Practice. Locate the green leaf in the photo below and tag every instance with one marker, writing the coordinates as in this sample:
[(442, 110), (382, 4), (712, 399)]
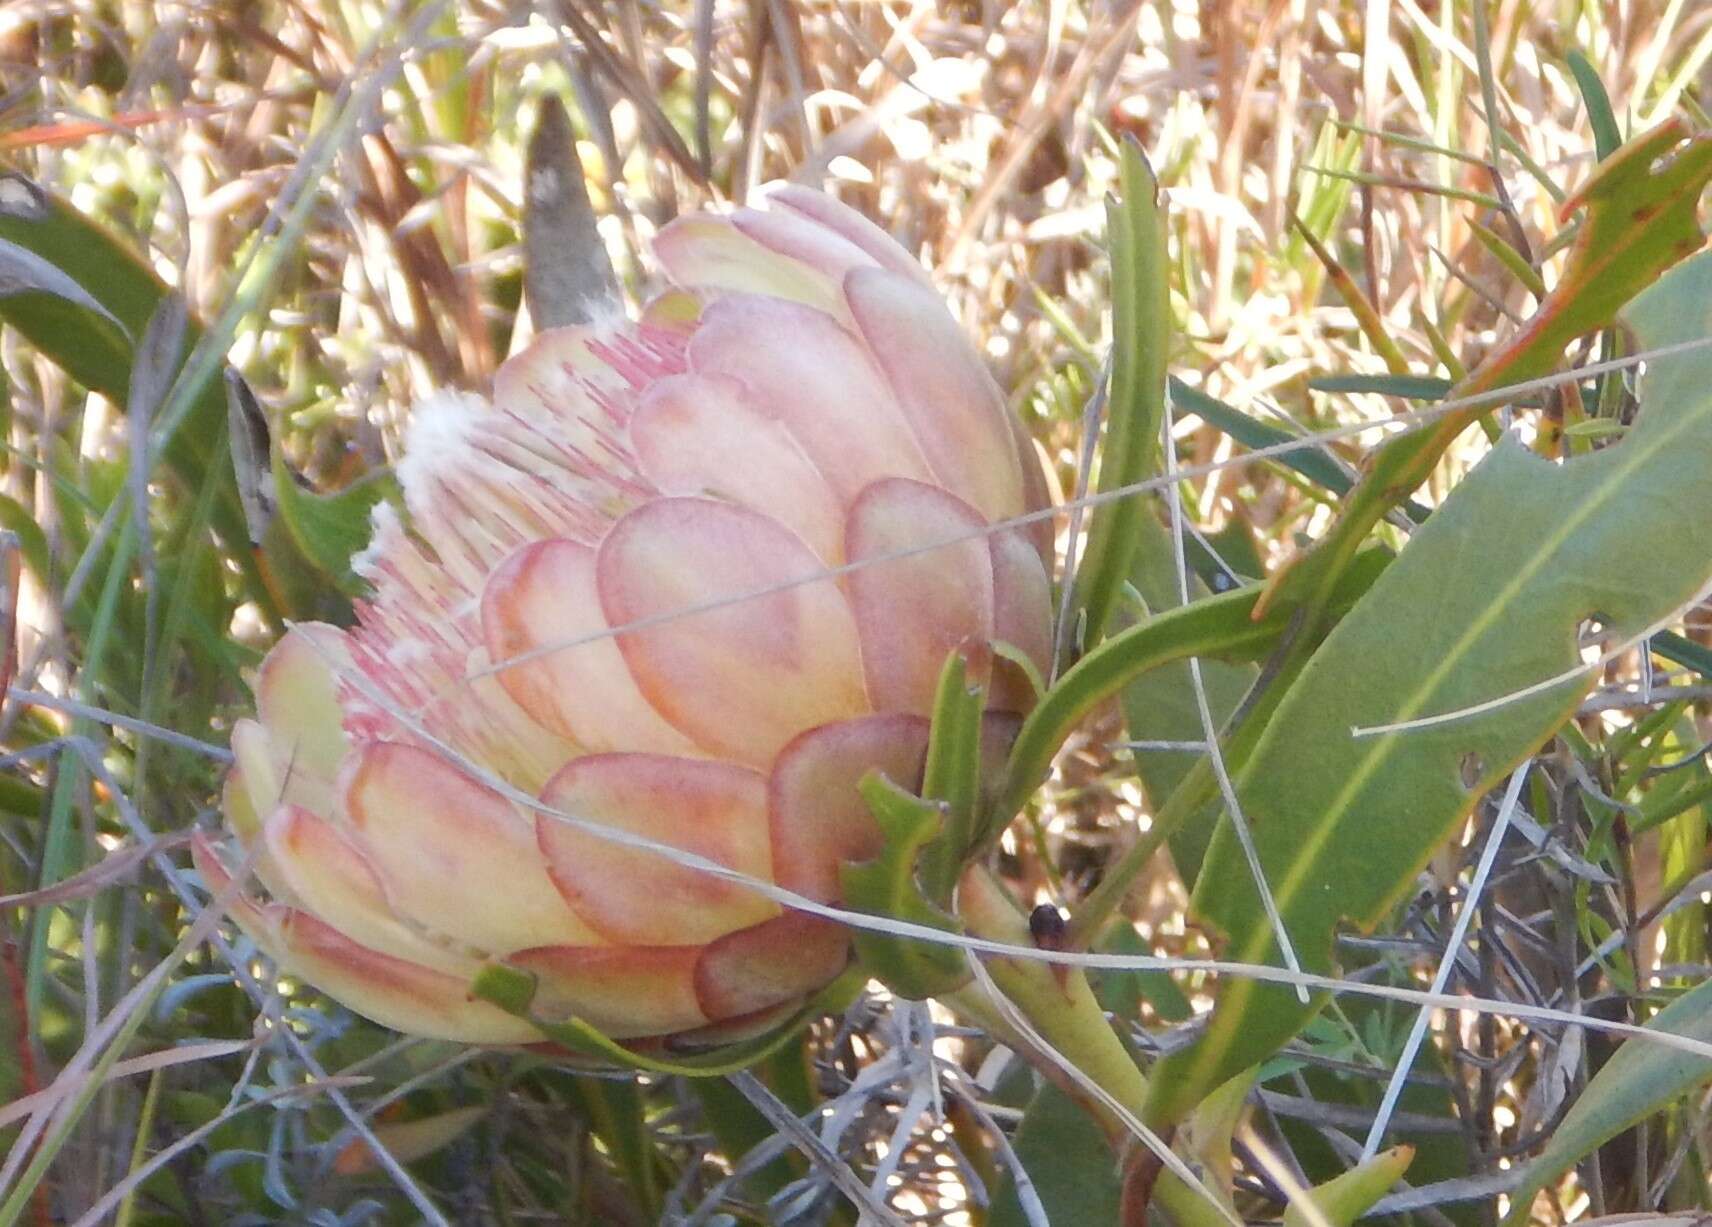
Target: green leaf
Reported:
[(26, 275), (32, 541), (1068, 1161), (1135, 406), (619, 1116), (886, 886), (94, 345), (1343, 1199), (1485, 602), (1606, 135), (1683, 651), (1415, 387), (952, 777), (1160, 705), (1224, 627), (1639, 1080), (1310, 462), (330, 529), (739, 1127)]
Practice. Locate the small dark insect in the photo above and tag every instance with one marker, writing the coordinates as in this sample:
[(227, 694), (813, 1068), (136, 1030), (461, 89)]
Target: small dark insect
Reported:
[(1046, 925)]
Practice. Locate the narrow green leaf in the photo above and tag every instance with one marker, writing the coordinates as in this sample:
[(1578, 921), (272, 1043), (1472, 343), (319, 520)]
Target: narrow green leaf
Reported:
[(1343, 1199), (1135, 405), (32, 541), (1223, 627), (1639, 1080), (739, 1128), (1415, 387), (952, 776), (1310, 462), (1468, 615), (1507, 255), (1682, 651), (1607, 137)]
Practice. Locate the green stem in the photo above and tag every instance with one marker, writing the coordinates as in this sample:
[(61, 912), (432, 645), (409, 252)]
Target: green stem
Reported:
[(1221, 626), (1062, 1010)]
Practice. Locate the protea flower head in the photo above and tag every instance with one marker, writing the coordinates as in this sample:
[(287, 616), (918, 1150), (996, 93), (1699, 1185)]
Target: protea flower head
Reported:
[(801, 401)]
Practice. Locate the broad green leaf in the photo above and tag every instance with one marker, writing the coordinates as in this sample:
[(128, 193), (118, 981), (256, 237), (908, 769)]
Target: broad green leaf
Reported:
[(1067, 1160), (1135, 405), (1483, 605), (1641, 1079)]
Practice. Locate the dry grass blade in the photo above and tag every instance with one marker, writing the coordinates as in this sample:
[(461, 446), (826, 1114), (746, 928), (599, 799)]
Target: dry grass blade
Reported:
[(115, 867)]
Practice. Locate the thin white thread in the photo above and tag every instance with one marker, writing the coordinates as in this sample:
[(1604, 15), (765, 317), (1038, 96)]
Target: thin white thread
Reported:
[(1215, 754), (1418, 1032), (1091, 420), (1415, 417), (1515, 696)]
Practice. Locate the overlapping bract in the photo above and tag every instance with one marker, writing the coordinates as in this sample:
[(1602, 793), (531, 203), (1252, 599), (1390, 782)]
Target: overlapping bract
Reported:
[(801, 401)]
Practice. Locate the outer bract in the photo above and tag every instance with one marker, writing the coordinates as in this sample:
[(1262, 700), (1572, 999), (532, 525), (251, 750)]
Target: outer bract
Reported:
[(803, 400)]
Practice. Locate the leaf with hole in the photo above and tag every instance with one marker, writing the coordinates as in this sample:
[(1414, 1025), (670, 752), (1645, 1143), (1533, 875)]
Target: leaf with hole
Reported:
[(1482, 608)]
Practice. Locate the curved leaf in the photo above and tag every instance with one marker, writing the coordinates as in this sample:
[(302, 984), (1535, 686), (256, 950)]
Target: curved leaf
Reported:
[(1141, 323)]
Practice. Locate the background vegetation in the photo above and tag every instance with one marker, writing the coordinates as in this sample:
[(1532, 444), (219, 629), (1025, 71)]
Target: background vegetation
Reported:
[(1363, 200)]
